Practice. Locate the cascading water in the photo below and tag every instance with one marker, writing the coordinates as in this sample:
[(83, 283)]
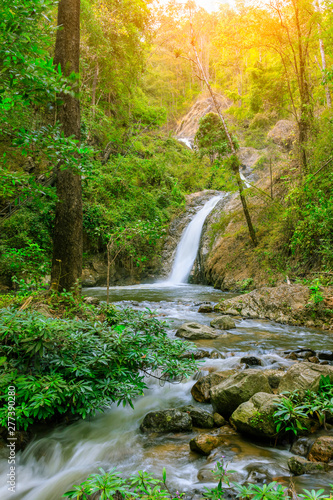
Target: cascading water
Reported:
[(189, 244), (66, 455)]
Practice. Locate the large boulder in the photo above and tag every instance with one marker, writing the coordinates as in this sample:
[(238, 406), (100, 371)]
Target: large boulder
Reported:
[(200, 418), (283, 134), (302, 446), (274, 377), (251, 361), (255, 417), (195, 331), (201, 389), (172, 420), (238, 389), (322, 449), (205, 443), (284, 304), (219, 421), (223, 323), (299, 465), (303, 376)]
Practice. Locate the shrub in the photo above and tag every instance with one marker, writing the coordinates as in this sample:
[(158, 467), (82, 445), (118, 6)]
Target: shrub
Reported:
[(74, 367)]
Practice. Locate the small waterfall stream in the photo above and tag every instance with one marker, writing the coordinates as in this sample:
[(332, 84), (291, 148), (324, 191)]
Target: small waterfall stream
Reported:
[(188, 246), (65, 455)]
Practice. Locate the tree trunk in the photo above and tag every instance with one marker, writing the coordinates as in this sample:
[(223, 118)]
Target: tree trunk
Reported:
[(323, 57), (235, 160), (67, 239), (94, 86)]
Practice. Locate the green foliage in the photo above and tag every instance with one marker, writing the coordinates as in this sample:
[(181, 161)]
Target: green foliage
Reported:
[(211, 139), (107, 484), (29, 262), (316, 294), (144, 485), (222, 473), (290, 416), (295, 409), (271, 491), (130, 200), (71, 367)]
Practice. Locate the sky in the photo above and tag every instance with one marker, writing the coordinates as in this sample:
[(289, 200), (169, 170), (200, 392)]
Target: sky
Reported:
[(208, 5)]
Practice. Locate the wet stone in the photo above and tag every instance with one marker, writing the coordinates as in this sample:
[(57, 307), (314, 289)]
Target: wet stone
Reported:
[(301, 446), (91, 301), (198, 354), (201, 389), (251, 361), (205, 308), (205, 443), (195, 331), (172, 420), (219, 421), (216, 355), (322, 449), (299, 465), (200, 418), (223, 323), (325, 355)]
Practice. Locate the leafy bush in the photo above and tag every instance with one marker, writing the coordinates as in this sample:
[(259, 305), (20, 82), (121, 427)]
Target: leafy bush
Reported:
[(144, 485), (295, 409), (75, 367)]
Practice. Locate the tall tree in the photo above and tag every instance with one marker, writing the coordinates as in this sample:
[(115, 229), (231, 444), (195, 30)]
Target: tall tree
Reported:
[(235, 162), (67, 239)]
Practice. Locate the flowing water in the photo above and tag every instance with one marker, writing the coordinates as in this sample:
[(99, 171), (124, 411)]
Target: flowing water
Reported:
[(189, 243), (65, 455)]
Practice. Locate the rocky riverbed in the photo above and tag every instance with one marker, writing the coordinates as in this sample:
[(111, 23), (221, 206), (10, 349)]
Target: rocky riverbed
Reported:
[(195, 426)]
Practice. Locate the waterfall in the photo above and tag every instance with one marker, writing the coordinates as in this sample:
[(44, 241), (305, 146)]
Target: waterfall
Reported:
[(189, 244)]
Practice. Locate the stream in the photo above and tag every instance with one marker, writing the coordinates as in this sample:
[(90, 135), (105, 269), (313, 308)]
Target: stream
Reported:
[(58, 458), (65, 455)]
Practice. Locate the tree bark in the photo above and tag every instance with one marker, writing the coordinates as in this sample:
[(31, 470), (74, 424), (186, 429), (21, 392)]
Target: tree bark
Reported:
[(67, 239), (323, 56), (235, 160)]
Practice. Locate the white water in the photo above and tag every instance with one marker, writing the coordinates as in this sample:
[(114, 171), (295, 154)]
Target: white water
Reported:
[(186, 141), (66, 455), (189, 244), (242, 176)]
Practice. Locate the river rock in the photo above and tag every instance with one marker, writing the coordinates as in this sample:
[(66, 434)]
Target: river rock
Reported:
[(223, 323), (205, 443), (303, 376), (274, 377), (255, 417), (238, 389), (206, 475), (283, 134), (299, 465), (325, 355), (172, 420), (284, 304), (200, 418), (251, 361), (205, 308), (313, 359), (198, 354), (301, 446), (322, 449), (201, 389), (216, 355), (91, 301), (219, 421), (195, 331)]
